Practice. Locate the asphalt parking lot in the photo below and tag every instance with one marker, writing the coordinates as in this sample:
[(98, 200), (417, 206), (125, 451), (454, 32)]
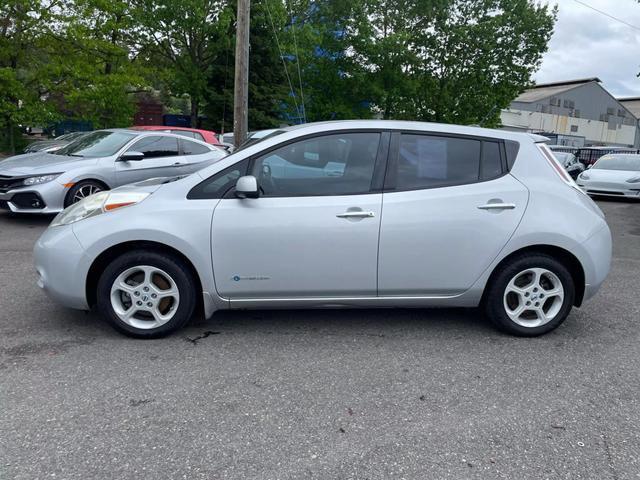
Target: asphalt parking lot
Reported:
[(359, 394)]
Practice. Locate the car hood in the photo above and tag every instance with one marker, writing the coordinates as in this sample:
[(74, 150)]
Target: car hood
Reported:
[(610, 175), (150, 185), (39, 163)]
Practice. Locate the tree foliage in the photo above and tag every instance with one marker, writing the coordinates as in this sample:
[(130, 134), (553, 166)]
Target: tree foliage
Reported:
[(437, 60)]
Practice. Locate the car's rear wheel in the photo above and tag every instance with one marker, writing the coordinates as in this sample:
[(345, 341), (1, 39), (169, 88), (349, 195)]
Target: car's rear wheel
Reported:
[(82, 190), (146, 294), (530, 295)]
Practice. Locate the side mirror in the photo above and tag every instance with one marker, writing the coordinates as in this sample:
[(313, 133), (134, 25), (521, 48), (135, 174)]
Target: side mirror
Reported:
[(131, 157), (247, 187)]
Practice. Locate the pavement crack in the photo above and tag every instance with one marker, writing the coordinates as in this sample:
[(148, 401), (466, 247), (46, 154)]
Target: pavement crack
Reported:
[(607, 450), (206, 334)]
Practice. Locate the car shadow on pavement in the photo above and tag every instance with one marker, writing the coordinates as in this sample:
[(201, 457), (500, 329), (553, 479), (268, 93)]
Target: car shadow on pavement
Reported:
[(28, 220), (346, 322)]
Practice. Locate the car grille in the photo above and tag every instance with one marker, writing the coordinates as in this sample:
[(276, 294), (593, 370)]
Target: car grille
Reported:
[(7, 183), (604, 192)]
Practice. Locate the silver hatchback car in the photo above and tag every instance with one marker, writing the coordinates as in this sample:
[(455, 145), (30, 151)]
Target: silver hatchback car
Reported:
[(48, 182), (339, 214)]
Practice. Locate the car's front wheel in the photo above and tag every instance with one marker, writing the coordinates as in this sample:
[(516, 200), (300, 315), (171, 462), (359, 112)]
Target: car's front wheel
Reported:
[(146, 294), (530, 295), (82, 190)]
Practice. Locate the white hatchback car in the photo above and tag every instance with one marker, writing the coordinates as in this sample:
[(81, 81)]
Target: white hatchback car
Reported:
[(339, 214)]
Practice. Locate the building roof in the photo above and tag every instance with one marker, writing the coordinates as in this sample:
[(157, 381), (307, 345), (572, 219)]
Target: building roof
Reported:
[(545, 90)]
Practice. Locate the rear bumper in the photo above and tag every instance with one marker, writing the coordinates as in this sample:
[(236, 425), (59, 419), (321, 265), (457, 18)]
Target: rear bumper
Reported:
[(596, 267)]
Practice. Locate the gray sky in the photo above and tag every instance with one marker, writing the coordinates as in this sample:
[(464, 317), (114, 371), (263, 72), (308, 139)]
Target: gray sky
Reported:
[(588, 44)]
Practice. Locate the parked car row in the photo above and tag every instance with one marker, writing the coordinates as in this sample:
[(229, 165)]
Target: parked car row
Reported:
[(337, 214), (44, 182), (589, 155), (616, 175)]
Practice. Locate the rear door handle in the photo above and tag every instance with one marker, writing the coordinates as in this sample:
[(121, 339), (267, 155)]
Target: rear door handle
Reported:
[(497, 206), (357, 214)]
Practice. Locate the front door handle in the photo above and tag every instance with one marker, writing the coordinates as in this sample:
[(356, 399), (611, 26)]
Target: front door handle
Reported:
[(356, 214), (497, 206)]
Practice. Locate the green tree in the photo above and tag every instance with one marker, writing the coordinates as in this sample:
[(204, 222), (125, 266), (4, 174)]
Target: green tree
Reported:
[(269, 99), (453, 61), (24, 27), (99, 71), (180, 42)]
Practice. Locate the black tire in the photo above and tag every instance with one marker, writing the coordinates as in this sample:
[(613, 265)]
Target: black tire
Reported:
[(494, 298), (173, 266), (74, 192)]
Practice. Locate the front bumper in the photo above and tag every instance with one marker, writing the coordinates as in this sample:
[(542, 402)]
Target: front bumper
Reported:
[(47, 198), (62, 267), (629, 190)]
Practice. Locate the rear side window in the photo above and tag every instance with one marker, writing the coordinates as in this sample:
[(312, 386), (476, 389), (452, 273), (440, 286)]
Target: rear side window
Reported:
[(426, 161), (156, 146), (431, 161), (491, 163), (193, 148)]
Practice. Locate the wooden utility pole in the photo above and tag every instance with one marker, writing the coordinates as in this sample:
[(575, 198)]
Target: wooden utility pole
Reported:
[(241, 85)]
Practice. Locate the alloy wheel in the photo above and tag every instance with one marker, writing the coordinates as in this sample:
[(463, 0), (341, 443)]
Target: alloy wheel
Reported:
[(534, 297), (145, 297), (86, 190)]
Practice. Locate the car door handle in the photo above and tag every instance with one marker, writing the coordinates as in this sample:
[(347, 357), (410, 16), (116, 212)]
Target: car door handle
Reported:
[(177, 164), (356, 214), (497, 206)]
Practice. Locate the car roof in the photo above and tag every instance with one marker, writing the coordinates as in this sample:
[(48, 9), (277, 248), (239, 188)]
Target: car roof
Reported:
[(413, 125), (150, 133), (167, 127)]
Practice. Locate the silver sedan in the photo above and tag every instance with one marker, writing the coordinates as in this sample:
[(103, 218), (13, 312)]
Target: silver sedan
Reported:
[(616, 175), (101, 160), (339, 214)]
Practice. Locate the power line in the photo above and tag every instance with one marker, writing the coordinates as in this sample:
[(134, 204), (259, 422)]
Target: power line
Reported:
[(295, 44), (607, 15), (286, 71)]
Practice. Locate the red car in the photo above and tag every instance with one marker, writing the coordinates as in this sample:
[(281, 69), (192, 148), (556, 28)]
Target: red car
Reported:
[(203, 135)]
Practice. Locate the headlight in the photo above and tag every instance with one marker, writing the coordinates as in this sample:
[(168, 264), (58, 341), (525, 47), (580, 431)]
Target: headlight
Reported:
[(41, 179), (634, 180), (96, 204)]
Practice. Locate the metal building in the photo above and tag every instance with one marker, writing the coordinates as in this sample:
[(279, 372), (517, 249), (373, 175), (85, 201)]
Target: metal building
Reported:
[(575, 108)]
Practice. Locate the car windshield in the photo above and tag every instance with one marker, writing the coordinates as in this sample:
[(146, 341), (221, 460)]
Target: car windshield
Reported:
[(97, 144), (68, 137), (619, 162), (257, 138), (562, 157)]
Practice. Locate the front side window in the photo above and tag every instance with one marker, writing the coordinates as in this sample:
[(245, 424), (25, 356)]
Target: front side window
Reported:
[(337, 164), (219, 184), (156, 146)]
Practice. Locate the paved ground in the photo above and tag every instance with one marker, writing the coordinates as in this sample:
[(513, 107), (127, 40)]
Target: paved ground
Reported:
[(320, 394)]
